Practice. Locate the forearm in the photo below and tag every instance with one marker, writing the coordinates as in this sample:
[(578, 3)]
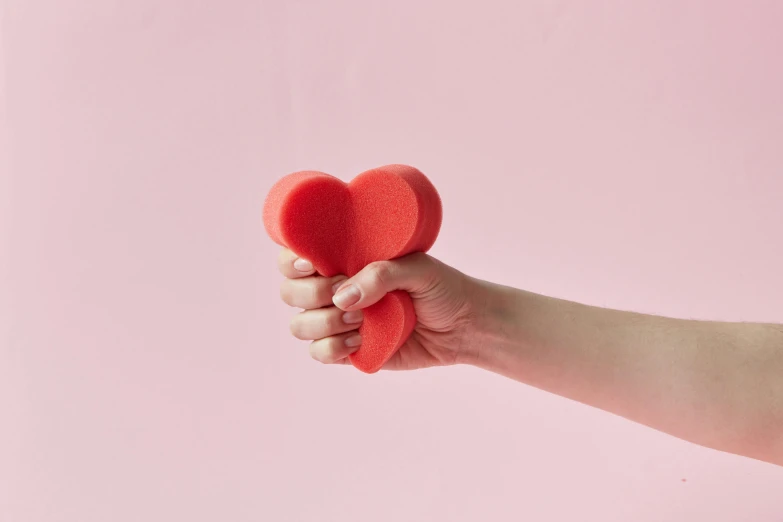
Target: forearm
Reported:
[(716, 384)]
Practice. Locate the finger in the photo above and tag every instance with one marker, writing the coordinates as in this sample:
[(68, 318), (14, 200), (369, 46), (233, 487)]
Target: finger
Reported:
[(335, 349), (293, 266), (324, 322), (413, 273), (309, 292)]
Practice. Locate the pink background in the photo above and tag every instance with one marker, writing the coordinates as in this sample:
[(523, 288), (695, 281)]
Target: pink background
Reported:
[(625, 154)]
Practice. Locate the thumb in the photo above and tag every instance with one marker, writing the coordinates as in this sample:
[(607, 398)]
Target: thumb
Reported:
[(413, 273)]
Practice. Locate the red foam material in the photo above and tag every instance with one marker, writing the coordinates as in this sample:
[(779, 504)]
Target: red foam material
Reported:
[(381, 214)]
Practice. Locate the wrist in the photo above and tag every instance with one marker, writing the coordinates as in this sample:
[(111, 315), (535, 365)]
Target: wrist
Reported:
[(497, 333)]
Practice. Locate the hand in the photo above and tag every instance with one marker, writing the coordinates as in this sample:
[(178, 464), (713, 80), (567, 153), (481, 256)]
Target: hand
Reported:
[(443, 297)]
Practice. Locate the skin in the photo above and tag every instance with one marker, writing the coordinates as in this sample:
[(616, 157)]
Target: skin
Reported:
[(716, 384)]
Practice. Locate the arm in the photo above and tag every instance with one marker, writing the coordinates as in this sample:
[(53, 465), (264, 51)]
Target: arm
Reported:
[(716, 384)]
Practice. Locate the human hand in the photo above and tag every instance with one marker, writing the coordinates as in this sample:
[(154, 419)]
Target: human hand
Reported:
[(443, 298)]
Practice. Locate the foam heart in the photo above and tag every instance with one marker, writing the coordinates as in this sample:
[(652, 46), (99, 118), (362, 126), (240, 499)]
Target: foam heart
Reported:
[(381, 214)]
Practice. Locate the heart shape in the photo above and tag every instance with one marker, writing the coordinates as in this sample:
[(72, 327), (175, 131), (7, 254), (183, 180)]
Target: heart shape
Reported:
[(382, 214)]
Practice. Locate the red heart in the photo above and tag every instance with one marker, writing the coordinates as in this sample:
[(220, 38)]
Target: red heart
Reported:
[(381, 214)]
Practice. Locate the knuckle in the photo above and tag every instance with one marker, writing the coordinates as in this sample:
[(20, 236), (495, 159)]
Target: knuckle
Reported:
[(314, 293), (332, 321), (423, 259), (379, 272), (296, 327), (300, 293), (330, 351), (426, 268), (324, 351), (420, 261), (324, 325), (316, 351), (285, 293), (320, 325)]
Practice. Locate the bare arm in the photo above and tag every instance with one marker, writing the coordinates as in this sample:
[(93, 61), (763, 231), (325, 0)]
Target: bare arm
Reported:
[(716, 384)]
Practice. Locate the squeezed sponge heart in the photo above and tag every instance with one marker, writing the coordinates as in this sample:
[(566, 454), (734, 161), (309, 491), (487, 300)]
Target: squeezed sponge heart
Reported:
[(382, 214), (387, 325), (395, 210), (310, 213)]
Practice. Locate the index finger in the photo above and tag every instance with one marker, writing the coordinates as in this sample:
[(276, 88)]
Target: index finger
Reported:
[(293, 266)]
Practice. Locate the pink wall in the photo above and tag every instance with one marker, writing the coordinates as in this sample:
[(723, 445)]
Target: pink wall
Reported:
[(627, 154)]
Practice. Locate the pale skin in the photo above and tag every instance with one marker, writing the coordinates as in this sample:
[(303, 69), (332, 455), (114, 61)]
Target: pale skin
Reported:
[(717, 384)]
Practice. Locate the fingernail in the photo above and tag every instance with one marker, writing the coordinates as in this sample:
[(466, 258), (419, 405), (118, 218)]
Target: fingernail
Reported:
[(303, 265), (354, 340), (337, 285), (353, 317), (347, 296)]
